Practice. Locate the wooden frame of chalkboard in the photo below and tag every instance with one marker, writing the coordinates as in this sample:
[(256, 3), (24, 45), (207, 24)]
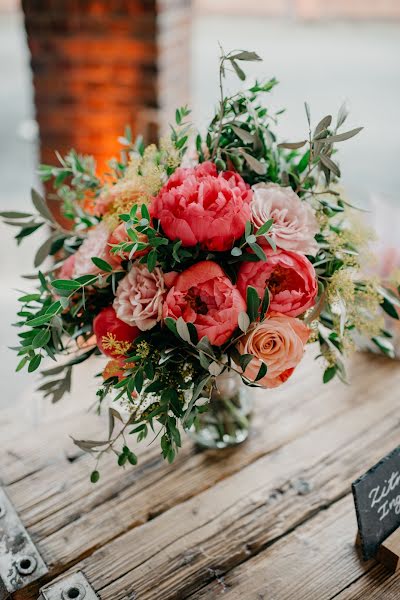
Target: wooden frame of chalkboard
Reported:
[(377, 502)]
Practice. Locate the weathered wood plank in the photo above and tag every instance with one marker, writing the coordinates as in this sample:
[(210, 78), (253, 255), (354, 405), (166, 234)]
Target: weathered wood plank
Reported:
[(315, 562), (59, 508), (180, 550), (376, 584)]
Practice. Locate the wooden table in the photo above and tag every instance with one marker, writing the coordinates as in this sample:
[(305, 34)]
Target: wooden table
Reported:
[(270, 520)]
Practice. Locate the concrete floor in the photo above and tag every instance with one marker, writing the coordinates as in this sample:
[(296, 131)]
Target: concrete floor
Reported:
[(322, 63)]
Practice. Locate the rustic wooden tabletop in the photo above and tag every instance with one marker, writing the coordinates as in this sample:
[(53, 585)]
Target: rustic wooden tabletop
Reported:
[(272, 519)]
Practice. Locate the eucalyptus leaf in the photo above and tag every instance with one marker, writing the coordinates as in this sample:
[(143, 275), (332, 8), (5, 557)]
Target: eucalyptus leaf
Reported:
[(40, 204)]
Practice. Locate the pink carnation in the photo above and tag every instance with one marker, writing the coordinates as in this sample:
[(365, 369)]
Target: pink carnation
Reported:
[(279, 343), (295, 224), (290, 278), (95, 245), (203, 295), (139, 297), (201, 206)]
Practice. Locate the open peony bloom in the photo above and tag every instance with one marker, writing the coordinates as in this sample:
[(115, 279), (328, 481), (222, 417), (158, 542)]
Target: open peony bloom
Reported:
[(201, 206), (205, 296), (295, 224), (290, 278), (113, 337), (96, 244), (139, 297), (278, 342)]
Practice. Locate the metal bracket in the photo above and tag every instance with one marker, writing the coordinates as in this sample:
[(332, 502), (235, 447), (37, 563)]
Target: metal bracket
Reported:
[(72, 587), (20, 562)]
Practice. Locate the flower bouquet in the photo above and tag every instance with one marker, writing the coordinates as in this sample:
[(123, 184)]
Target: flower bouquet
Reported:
[(197, 265)]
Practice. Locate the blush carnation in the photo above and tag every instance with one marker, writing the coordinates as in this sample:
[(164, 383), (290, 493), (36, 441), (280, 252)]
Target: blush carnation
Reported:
[(295, 224), (205, 296), (279, 343), (95, 245), (139, 297), (201, 206), (113, 337), (290, 278)]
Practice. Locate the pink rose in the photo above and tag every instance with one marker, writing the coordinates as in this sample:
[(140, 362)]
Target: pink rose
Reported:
[(290, 278), (66, 270), (203, 295), (139, 297), (278, 342), (95, 245), (201, 206), (295, 224)]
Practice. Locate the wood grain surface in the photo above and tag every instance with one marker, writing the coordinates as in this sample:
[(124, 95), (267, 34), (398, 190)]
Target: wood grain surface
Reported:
[(272, 519)]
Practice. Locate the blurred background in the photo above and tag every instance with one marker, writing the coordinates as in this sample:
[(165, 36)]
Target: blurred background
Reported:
[(74, 72)]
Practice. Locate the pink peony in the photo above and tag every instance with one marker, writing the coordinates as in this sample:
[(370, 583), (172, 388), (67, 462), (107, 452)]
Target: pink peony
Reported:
[(203, 295), (95, 245), (139, 297), (290, 278), (201, 206), (295, 224), (278, 342)]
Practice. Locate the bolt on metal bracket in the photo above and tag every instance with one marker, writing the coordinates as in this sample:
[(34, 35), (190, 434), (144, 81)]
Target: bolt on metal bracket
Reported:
[(72, 587), (20, 561)]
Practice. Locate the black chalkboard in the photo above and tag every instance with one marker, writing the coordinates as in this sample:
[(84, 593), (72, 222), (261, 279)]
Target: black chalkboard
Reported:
[(377, 500)]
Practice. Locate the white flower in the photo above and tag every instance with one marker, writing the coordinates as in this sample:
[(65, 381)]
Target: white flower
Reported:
[(295, 224)]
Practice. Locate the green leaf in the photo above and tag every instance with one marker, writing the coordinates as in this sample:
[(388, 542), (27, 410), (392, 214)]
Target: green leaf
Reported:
[(54, 309), (323, 124), (243, 321), (34, 363), (245, 360), (94, 476), (329, 373), (238, 70), (390, 309), (308, 112), (341, 137), (261, 372), (139, 380), (329, 164), (258, 251), (236, 251), (265, 303), (292, 145), (152, 260), (41, 339), (254, 164), (101, 264), (243, 134), (183, 330), (265, 228), (22, 363), (14, 214), (246, 55), (43, 251), (66, 284), (253, 303), (40, 204), (171, 324)]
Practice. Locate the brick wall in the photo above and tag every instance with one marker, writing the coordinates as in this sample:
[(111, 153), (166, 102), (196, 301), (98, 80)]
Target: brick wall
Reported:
[(99, 65)]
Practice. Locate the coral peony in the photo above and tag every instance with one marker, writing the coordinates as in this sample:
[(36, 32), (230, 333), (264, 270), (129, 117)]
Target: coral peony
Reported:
[(95, 245), (278, 342), (113, 337), (203, 295), (295, 224), (201, 206), (290, 278), (139, 297)]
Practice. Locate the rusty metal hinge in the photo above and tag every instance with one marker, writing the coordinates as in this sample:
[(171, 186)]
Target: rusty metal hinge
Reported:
[(72, 587), (20, 561)]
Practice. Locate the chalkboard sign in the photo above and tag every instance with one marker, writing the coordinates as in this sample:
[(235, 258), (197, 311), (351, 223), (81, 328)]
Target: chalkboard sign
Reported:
[(377, 500)]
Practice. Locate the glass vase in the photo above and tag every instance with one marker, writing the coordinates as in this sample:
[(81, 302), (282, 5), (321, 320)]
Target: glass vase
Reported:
[(227, 421)]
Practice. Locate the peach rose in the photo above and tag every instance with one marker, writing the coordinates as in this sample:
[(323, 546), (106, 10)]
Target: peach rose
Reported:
[(139, 297), (295, 224), (203, 295), (290, 278), (95, 245), (278, 342)]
